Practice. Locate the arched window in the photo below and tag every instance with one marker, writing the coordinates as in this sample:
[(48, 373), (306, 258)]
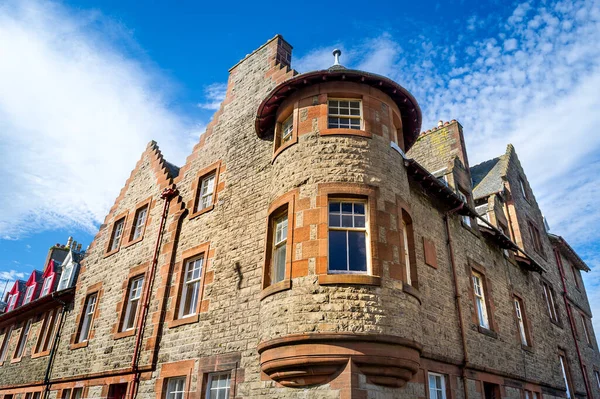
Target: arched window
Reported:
[(408, 258)]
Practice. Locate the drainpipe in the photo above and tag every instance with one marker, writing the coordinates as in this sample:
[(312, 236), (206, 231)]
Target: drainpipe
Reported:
[(167, 195), (54, 346), (457, 299), (572, 323)]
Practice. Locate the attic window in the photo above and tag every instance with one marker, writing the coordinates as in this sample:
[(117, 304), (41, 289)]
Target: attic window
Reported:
[(344, 114), (29, 293), (47, 285), (523, 188)]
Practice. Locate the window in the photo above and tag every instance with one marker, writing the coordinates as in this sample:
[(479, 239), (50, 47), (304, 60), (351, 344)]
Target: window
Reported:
[(347, 236), (139, 222), (218, 386), (502, 227), (77, 393), (205, 194), (12, 302), (535, 237), (188, 304), (133, 299), (597, 375), (586, 332), (564, 366), (116, 235), (47, 285), (32, 395), (66, 393), (465, 218), (22, 340), (480, 300), (175, 388), (65, 277), (437, 386), (88, 317), (29, 293), (550, 302), (523, 189), (528, 394), (407, 249), (521, 322), (575, 277), (47, 331), (287, 128), (280, 233), (344, 114), (5, 342)]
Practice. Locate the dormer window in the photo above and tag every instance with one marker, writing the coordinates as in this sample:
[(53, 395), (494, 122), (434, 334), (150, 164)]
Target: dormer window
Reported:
[(287, 128), (29, 293), (47, 285), (12, 302), (344, 114)]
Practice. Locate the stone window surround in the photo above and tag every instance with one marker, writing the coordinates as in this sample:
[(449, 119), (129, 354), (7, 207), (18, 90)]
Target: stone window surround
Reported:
[(547, 283), (447, 389), (72, 387), (196, 185), (141, 270), (563, 353), (350, 190), (228, 362), (92, 289), (292, 110), (276, 206), (129, 228), (324, 129), (44, 326), (6, 334), (173, 319), (526, 321), (404, 216), (183, 368), (473, 266), (118, 218), (24, 324)]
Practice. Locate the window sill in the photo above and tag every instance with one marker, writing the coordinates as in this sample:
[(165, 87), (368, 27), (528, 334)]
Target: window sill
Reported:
[(185, 320), (40, 354), (274, 288), (130, 243), (488, 332), (412, 291), (202, 211), (345, 132), (283, 147), (123, 334), (556, 323), (107, 254), (16, 360), (78, 345), (326, 279), (470, 229), (527, 348)]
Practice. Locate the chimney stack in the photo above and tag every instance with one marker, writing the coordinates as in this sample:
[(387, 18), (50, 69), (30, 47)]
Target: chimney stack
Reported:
[(69, 241)]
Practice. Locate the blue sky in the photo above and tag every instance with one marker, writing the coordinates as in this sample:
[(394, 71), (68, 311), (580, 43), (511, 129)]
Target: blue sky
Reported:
[(84, 85)]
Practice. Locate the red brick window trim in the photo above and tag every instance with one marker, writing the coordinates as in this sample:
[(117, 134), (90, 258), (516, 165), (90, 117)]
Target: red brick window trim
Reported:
[(46, 334), (438, 385), (220, 365), (77, 340), (523, 325), (22, 342), (286, 129), (117, 232), (170, 371), (71, 391), (137, 222), (33, 394), (191, 278), (279, 248), (131, 294), (205, 188), (481, 295), (351, 193)]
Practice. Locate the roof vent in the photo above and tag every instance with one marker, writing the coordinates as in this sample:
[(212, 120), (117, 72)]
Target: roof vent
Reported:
[(336, 60)]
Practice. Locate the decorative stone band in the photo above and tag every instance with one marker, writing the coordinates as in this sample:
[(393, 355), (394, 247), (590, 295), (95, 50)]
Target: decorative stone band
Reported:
[(310, 359)]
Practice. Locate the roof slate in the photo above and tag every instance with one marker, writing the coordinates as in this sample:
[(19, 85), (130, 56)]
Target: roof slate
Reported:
[(487, 176)]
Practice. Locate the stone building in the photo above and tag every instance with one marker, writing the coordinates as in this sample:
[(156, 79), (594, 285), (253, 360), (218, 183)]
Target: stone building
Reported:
[(315, 244)]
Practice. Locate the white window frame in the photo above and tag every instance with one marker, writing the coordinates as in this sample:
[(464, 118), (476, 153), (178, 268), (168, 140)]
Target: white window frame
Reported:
[(364, 229), (521, 321), (191, 280), (523, 189), (140, 222), (280, 234), (76, 393), (287, 129), (406, 253), (563, 367), (359, 117), (551, 304), (117, 233), (433, 391), (45, 335), (206, 191), (12, 302), (480, 300), (22, 340), (29, 293), (5, 343), (465, 218), (175, 388), (88, 317), (47, 286), (65, 277), (597, 375), (209, 387), (134, 295)]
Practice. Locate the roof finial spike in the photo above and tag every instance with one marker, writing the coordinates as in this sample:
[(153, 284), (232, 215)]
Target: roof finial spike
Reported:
[(336, 56)]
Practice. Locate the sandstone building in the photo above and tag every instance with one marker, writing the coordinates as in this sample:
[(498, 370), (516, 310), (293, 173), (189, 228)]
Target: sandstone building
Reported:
[(315, 244)]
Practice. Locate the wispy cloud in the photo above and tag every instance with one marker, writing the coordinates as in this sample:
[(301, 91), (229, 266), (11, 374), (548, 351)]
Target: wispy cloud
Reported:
[(214, 94), (530, 78), (77, 108), (7, 279)]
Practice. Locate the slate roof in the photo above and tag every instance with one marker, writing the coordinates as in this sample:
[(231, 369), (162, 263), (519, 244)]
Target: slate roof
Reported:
[(487, 176), (172, 169)]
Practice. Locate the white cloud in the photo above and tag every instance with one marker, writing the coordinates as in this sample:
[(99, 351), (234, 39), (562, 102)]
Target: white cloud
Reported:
[(76, 112), (215, 94), (7, 280)]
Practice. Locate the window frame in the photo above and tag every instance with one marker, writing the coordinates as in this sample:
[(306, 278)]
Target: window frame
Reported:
[(366, 229), (536, 238), (129, 300), (22, 342), (524, 192), (407, 249), (566, 372), (213, 169), (360, 117), (523, 327), (111, 248), (95, 289), (586, 331), (88, 315), (31, 288), (195, 281), (551, 304), (66, 276), (46, 334), (5, 343), (174, 379), (482, 312), (443, 388), (137, 226), (209, 379), (12, 301), (465, 219)]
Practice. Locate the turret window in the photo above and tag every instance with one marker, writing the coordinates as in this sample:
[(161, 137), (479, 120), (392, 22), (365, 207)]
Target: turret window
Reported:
[(347, 236), (280, 233), (344, 114), (287, 128)]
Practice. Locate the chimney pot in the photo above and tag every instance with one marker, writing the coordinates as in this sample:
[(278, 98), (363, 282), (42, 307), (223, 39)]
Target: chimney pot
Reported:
[(440, 123)]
